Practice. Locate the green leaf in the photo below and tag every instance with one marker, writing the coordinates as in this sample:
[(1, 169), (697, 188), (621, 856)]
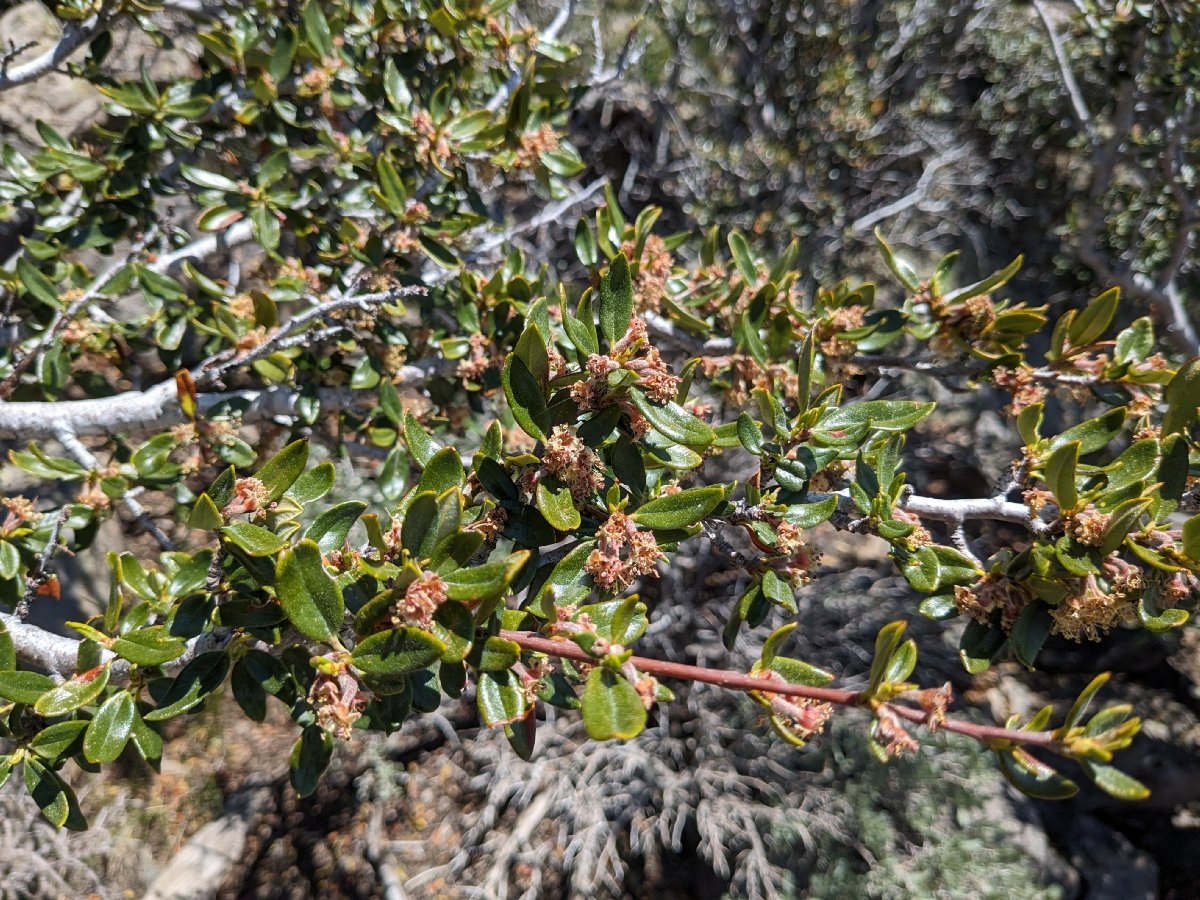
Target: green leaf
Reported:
[(73, 693), (902, 663), (585, 246), (1094, 434), (611, 707), (331, 528), (309, 597), (557, 505), (674, 422), (742, 258), (500, 698), (616, 299), (1029, 633), (420, 445), (205, 514), (454, 626), (24, 687), (53, 796), (525, 397), (281, 471), (978, 646), (484, 582), (199, 678), (108, 732), (1115, 782), (749, 434), (900, 268), (254, 539), (887, 642), (318, 36), (495, 654), (60, 740), (1084, 700), (993, 281), (1182, 396), (1124, 519), (310, 754), (443, 471), (881, 415), (313, 484), (151, 646), (1093, 320), (209, 180), (41, 287), (679, 510), (568, 584), (1060, 475), (1031, 776), (396, 652), (8, 652)]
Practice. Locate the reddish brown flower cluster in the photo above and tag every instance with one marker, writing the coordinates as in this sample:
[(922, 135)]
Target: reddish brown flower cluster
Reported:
[(249, 495), (1087, 527), (337, 702), (888, 730), (533, 144), (1021, 384), (635, 353), (992, 592), (568, 458), (420, 601), (623, 554), (654, 268)]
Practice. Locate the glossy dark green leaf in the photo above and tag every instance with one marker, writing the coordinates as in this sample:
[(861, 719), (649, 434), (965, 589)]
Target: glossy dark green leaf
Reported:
[(1031, 776), (1182, 396), (526, 399), (611, 707), (880, 415), (73, 693), (53, 796), (108, 732), (150, 646), (199, 678), (616, 299), (742, 258), (1060, 475), (205, 514), (281, 471), (557, 505), (500, 698), (253, 539), (679, 510), (1093, 320), (309, 758), (313, 484), (331, 528), (396, 652), (1093, 434), (568, 584), (24, 687), (673, 421), (486, 581), (309, 596), (1029, 633), (978, 646)]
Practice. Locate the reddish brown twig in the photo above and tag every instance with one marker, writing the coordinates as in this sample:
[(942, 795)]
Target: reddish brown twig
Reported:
[(567, 649)]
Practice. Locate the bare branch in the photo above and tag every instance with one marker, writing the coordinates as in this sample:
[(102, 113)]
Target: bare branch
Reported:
[(74, 36), (1078, 105)]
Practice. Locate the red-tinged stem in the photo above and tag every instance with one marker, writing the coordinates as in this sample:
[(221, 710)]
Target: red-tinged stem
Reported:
[(567, 649)]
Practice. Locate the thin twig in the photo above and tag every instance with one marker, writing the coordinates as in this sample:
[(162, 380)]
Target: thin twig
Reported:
[(566, 649), (41, 574)]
